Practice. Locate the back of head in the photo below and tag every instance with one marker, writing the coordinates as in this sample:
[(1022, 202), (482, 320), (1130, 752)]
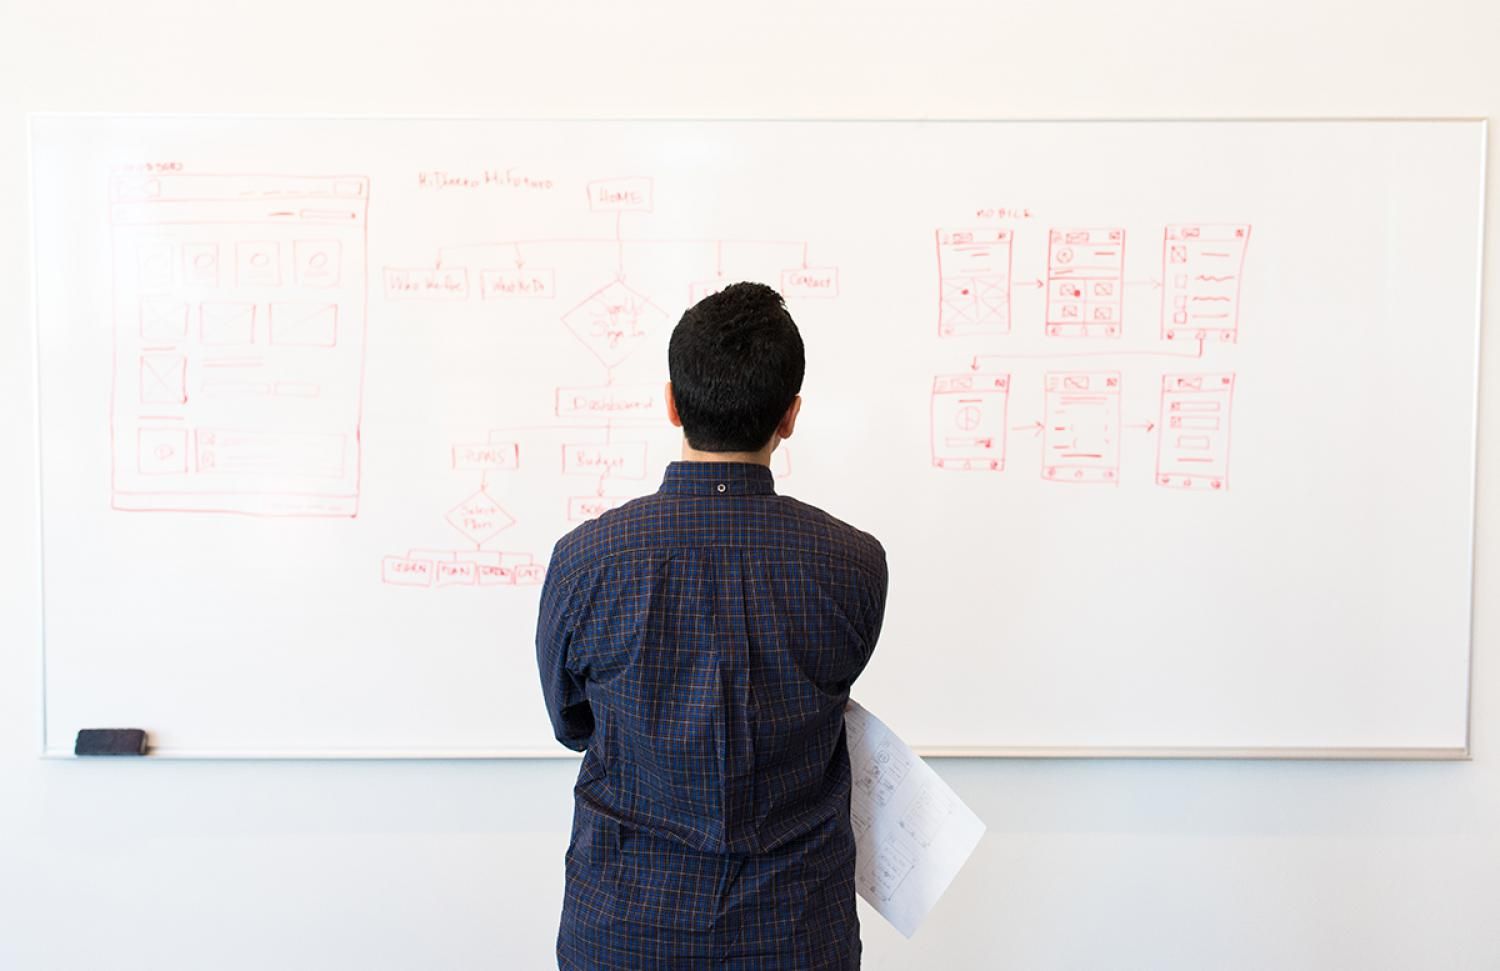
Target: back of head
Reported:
[(736, 362)]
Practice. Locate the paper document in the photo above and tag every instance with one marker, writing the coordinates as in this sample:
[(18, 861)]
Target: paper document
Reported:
[(912, 834)]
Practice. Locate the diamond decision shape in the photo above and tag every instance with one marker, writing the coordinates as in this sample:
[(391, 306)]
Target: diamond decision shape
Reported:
[(479, 517), (613, 322)]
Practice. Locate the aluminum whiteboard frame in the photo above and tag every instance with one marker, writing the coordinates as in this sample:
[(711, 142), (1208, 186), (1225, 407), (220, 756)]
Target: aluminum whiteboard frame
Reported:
[(1293, 753)]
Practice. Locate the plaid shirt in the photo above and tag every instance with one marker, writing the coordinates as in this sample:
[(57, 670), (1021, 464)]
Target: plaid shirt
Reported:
[(698, 645)]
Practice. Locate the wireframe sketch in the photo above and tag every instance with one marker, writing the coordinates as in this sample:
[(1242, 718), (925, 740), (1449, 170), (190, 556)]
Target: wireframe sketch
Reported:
[(882, 775), (968, 421), (239, 327), (974, 281), (1201, 270), (1085, 282), (924, 818), (1193, 438), (882, 871), (1081, 434)]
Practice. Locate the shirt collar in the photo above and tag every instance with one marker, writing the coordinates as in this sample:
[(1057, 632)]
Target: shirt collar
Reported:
[(718, 479)]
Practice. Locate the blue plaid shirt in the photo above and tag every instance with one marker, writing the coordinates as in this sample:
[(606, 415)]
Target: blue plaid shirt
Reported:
[(698, 645)]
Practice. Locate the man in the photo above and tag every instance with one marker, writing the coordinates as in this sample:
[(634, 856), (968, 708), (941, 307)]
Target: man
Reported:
[(698, 645)]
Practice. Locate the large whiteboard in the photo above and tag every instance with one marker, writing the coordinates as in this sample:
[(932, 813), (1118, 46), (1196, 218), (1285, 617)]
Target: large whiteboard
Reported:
[(1167, 428)]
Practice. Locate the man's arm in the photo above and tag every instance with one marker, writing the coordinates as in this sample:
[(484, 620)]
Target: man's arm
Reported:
[(563, 691), (872, 603)]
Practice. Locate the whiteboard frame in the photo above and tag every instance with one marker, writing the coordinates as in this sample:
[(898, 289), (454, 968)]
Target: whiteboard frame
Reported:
[(49, 751), (927, 752)]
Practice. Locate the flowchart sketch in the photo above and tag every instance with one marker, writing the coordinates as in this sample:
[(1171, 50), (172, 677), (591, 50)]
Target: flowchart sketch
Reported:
[(239, 326), (614, 321), (447, 568), (217, 495), (1085, 282), (614, 471), (591, 469), (1201, 270), (968, 421), (1193, 437), (1081, 434), (912, 832), (974, 281), (818, 282)]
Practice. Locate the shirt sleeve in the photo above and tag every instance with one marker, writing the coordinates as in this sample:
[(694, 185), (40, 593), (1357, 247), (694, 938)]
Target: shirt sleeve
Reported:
[(563, 691), (872, 614)]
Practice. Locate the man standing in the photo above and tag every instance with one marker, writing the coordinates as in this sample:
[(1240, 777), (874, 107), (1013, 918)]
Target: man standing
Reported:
[(698, 645)]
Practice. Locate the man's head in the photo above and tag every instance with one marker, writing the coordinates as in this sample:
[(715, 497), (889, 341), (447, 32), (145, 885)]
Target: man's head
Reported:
[(736, 364)]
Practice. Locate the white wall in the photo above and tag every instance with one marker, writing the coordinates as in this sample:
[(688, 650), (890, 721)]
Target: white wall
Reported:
[(376, 866)]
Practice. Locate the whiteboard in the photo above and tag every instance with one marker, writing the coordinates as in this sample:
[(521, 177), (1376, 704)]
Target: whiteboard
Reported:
[(1168, 428)]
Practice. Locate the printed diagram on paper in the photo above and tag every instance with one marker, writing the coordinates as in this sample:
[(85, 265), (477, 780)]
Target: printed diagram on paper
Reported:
[(912, 832), (1083, 372)]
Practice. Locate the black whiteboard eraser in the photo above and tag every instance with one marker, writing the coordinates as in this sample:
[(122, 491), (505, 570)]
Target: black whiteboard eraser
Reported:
[(110, 741)]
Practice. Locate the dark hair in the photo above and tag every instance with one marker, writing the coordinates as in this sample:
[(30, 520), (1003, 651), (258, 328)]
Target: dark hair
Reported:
[(736, 363)]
